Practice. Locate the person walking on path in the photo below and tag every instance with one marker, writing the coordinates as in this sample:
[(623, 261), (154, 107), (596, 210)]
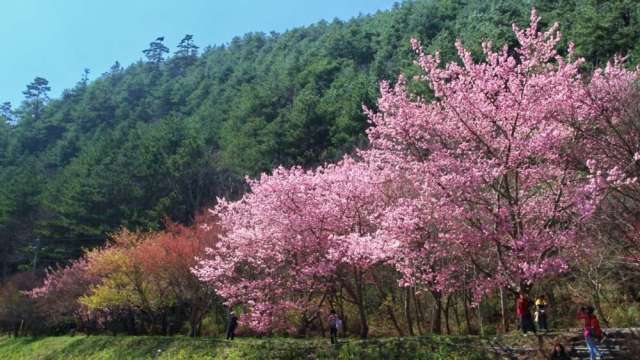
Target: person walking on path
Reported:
[(591, 330), (233, 324), (523, 311), (334, 323), (541, 313)]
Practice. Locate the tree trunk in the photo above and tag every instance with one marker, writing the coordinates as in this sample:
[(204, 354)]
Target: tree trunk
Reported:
[(323, 331), (436, 317), (388, 305), (597, 305), (480, 319), (419, 312), (362, 311), (407, 310), (446, 315), (364, 326), (195, 320), (394, 320), (467, 318), (456, 315), (343, 316), (503, 312)]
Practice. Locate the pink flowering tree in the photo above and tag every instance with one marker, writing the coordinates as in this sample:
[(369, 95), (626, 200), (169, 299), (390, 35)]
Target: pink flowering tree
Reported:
[(296, 239), (272, 256), (58, 297), (494, 157)]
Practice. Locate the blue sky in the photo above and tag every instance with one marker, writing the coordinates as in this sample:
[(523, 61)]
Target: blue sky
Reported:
[(57, 39)]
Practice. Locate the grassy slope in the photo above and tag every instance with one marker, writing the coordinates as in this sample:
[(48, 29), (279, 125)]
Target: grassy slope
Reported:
[(178, 347)]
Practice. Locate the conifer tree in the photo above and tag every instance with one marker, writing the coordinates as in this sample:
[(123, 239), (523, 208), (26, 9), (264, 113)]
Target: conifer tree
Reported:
[(155, 52), (186, 47), (36, 96)]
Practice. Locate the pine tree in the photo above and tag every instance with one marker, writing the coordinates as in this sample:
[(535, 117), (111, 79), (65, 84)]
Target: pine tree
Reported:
[(85, 77), (155, 52), (115, 68), (186, 48), (36, 97)]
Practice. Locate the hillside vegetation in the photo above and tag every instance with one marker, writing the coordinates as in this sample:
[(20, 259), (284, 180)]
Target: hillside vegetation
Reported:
[(163, 137)]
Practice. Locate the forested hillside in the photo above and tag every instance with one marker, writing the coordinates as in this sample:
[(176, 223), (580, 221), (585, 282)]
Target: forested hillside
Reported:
[(162, 138)]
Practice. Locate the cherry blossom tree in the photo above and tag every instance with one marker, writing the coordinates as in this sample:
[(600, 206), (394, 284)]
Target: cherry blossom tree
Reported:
[(58, 297), (272, 257), (494, 156), (297, 238)]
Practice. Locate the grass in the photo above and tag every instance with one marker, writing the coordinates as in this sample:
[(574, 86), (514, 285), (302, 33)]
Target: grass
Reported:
[(180, 347)]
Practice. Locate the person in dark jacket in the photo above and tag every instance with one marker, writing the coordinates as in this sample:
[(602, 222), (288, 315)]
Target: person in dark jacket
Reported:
[(333, 326), (559, 353), (233, 324)]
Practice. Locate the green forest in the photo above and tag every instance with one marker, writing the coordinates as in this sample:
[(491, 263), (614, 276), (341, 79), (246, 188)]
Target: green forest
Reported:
[(162, 138)]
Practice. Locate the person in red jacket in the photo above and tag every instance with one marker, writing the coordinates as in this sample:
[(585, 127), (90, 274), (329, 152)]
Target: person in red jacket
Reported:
[(523, 311), (591, 330)]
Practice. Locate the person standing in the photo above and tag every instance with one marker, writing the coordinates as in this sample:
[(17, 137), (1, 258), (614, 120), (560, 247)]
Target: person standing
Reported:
[(233, 324), (541, 312), (333, 326), (523, 311), (592, 330)]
